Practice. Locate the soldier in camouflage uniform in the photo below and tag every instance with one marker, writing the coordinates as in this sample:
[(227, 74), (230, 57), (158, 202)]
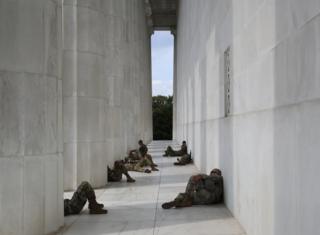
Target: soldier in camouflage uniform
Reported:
[(184, 160), (183, 150), (115, 174), (201, 190), (142, 152), (76, 203), (141, 166)]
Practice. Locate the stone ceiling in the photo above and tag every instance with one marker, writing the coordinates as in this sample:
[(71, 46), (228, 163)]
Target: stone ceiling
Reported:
[(162, 14)]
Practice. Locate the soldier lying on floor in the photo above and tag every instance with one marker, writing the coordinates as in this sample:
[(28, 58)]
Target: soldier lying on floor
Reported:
[(201, 190), (76, 203), (136, 155), (183, 150), (115, 174), (184, 160), (141, 166)]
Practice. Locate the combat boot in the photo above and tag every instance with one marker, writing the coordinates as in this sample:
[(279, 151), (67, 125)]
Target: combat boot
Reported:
[(147, 171), (93, 204), (168, 205), (154, 169), (130, 180), (97, 205), (96, 208), (97, 211)]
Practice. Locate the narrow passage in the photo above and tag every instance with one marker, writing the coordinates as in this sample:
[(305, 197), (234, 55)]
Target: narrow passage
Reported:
[(136, 208)]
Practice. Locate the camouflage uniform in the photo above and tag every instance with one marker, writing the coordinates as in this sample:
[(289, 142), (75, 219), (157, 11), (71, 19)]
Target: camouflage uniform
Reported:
[(115, 174), (139, 166), (143, 150), (207, 190), (170, 152), (184, 160), (145, 160), (133, 156), (79, 199)]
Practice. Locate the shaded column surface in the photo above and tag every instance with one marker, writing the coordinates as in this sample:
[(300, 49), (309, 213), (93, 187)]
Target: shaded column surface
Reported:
[(30, 117), (106, 86), (268, 145), (174, 108)]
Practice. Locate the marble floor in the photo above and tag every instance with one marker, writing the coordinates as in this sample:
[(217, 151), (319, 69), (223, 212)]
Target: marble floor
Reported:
[(136, 208)]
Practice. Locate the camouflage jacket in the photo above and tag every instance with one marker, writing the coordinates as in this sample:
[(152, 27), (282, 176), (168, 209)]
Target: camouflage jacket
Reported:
[(208, 190), (143, 150)]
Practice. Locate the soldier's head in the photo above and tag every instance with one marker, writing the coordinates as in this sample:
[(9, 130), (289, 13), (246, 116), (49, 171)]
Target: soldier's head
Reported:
[(140, 142), (184, 142), (216, 171)]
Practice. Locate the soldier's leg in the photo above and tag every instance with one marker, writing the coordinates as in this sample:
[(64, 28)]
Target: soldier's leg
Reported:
[(148, 156), (182, 200), (167, 151), (78, 199), (170, 151), (184, 160), (191, 186), (140, 167), (136, 167), (179, 162), (113, 175), (151, 164), (85, 192), (124, 171)]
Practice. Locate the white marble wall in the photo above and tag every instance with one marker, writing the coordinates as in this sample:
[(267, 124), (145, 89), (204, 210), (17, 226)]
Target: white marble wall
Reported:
[(106, 86), (269, 147), (31, 182)]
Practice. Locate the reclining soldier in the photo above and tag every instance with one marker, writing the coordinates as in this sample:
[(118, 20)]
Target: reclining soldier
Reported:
[(201, 190), (183, 150), (83, 194), (136, 155), (119, 169), (141, 166), (184, 160)]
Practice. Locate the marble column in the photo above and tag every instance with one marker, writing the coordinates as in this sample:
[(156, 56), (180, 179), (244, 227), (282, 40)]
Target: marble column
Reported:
[(106, 86), (174, 111), (31, 191)]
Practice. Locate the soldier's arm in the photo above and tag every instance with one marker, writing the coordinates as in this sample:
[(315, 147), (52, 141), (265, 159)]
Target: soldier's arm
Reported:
[(198, 177), (213, 183)]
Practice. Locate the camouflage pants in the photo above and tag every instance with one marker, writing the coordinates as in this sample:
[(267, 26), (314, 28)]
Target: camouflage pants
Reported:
[(115, 174), (185, 159), (79, 199), (171, 152), (139, 166), (194, 193), (149, 158)]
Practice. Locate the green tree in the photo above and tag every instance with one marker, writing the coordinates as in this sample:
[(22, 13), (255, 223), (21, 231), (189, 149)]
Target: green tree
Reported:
[(162, 117)]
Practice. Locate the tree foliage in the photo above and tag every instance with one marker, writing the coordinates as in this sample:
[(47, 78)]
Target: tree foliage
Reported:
[(162, 117)]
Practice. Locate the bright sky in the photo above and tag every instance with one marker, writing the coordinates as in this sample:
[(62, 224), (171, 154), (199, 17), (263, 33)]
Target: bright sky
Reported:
[(162, 63)]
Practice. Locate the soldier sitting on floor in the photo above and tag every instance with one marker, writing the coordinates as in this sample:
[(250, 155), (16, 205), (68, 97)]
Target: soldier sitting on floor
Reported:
[(76, 203), (183, 150), (136, 155), (133, 156), (115, 174), (184, 160), (201, 190), (141, 166)]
